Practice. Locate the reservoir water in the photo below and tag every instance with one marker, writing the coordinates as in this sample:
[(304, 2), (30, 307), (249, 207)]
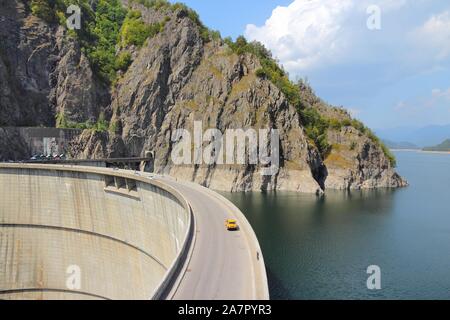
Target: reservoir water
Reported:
[(320, 247)]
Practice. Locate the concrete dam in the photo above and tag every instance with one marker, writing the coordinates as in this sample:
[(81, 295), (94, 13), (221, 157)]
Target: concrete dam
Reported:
[(72, 232)]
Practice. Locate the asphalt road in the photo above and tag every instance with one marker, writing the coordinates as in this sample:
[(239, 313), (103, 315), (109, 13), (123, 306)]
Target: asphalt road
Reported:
[(220, 266)]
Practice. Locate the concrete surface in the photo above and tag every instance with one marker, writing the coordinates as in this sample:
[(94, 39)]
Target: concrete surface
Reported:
[(132, 236)]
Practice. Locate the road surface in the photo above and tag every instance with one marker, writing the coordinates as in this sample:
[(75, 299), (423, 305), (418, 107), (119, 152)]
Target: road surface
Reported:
[(223, 264)]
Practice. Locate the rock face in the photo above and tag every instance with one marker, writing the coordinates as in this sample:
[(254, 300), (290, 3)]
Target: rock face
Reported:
[(12, 145), (43, 72), (356, 162), (176, 79)]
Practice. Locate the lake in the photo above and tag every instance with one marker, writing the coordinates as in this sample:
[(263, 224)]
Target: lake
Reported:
[(320, 247)]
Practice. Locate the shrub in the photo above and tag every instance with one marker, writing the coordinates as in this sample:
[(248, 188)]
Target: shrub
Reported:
[(61, 121), (261, 73), (100, 31), (123, 61), (134, 31), (316, 127), (335, 124), (269, 67), (102, 39), (388, 155), (101, 125), (43, 10)]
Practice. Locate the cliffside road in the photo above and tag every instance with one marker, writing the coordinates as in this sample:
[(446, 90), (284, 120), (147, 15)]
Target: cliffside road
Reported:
[(223, 264)]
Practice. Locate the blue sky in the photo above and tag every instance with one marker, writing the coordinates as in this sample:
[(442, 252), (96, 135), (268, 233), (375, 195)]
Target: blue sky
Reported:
[(231, 17), (395, 75)]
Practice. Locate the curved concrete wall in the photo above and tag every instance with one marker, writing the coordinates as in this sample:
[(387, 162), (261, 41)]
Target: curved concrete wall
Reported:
[(125, 233)]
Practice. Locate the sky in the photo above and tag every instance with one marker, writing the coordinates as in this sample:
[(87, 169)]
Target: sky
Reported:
[(387, 61)]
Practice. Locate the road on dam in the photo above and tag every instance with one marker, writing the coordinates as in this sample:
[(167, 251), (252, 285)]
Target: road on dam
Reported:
[(222, 264)]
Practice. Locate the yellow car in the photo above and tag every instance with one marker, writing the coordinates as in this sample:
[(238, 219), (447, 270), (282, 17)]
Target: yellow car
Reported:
[(231, 224)]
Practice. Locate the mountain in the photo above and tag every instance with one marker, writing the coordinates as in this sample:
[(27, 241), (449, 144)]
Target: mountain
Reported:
[(420, 136), (138, 71), (400, 145), (444, 146)]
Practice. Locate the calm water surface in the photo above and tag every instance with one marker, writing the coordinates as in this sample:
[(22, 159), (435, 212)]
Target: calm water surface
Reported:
[(320, 248)]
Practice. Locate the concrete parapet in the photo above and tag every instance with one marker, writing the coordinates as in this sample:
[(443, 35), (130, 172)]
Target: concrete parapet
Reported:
[(127, 234)]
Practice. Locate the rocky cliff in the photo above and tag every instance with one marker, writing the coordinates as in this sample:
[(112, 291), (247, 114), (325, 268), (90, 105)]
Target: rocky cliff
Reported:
[(43, 72), (12, 145), (177, 77)]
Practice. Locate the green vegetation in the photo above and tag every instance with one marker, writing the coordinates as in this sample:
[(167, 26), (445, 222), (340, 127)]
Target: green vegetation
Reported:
[(123, 61), (111, 26), (100, 126), (358, 125), (134, 31), (54, 11), (206, 34), (103, 30), (43, 10), (444, 146), (99, 33), (316, 128), (103, 36), (316, 125)]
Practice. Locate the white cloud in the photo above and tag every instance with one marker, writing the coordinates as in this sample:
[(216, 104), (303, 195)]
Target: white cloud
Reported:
[(311, 34), (436, 101), (305, 33), (434, 35), (438, 93), (329, 42)]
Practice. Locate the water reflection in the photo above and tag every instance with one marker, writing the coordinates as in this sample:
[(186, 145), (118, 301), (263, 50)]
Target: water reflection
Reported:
[(329, 225)]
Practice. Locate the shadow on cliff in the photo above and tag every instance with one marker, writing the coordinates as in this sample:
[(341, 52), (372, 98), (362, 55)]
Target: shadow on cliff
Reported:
[(320, 174)]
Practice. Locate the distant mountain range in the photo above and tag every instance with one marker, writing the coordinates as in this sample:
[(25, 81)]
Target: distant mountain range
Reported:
[(419, 136), (444, 146), (400, 145)]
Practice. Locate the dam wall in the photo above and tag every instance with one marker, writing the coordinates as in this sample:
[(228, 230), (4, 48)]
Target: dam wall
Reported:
[(71, 232)]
